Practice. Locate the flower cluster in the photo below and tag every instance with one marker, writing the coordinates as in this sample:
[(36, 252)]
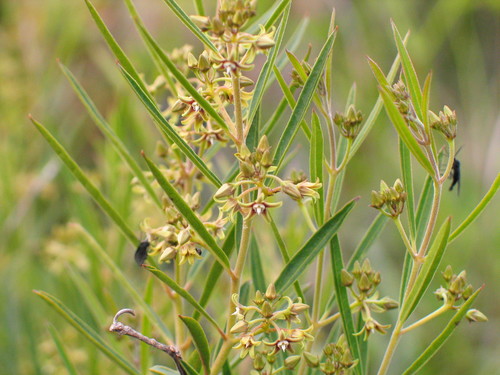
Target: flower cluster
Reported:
[(254, 180), (403, 102), (271, 317), (389, 200), (349, 123), (445, 123), (338, 358), (363, 282)]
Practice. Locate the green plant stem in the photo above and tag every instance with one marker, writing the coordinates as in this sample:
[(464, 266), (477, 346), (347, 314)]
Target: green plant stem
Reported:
[(237, 108), (335, 316), (307, 216), (346, 156), (406, 241), (425, 319), (235, 286), (417, 262)]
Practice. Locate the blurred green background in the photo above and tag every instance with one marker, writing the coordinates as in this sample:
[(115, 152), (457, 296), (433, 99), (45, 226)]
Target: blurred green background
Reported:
[(456, 39)]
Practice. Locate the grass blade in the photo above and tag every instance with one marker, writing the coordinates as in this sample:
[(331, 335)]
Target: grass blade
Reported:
[(258, 277), (316, 166), (343, 301), (426, 96), (109, 133), (424, 208), (189, 215), (183, 17), (443, 336), (200, 10), (200, 341), (268, 18), (163, 277), (261, 83), (403, 131), (88, 332), (299, 262), (170, 133), (62, 351), (114, 47), (86, 183), (303, 102), (409, 72), (429, 268), (477, 211)]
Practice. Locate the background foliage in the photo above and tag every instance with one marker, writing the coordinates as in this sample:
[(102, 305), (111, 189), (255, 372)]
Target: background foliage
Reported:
[(455, 39)]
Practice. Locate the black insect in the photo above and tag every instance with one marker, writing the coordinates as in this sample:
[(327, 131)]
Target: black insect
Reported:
[(141, 254), (455, 173), (198, 250)]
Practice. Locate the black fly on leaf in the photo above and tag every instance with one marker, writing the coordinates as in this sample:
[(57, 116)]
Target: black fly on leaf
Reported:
[(141, 254), (455, 173)]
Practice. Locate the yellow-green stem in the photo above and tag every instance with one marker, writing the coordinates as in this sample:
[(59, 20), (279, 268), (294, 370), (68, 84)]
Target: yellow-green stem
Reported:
[(406, 241), (391, 348), (425, 319), (451, 158), (237, 108)]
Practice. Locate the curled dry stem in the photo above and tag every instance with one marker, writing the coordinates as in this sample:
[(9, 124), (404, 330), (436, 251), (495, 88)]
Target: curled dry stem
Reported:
[(122, 329)]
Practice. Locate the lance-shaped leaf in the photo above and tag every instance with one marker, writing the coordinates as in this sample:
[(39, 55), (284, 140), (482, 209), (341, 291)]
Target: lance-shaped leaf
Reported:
[(268, 18), (114, 47), (479, 208), (169, 132), (86, 183), (62, 351), (403, 130), (260, 85), (303, 102), (184, 18), (88, 332), (110, 134), (428, 270), (200, 341), (258, 276), (316, 166), (432, 349), (189, 215), (180, 77), (407, 173), (162, 276), (311, 249), (409, 72), (343, 301)]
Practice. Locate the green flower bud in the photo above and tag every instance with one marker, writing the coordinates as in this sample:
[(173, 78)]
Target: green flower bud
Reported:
[(267, 310), (203, 62), (346, 278), (226, 190), (474, 315), (201, 21), (448, 273), (259, 362), (469, 290), (192, 61), (311, 359), (168, 254), (292, 361), (183, 236), (271, 293), (259, 298), (364, 283), (239, 327)]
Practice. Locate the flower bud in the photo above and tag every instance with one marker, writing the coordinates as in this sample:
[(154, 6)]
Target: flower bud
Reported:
[(239, 327), (364, 283), (447, 273), (258, 362), (311, 359), (191, 61), (474, 315), (291, 190), (226, 190), (265, 42), (271, 293), (259, 299), (183, 236), (346, 278), (201, 21), (168, 254), (203, 62), (267, 310), (292, 361), (388, 303)]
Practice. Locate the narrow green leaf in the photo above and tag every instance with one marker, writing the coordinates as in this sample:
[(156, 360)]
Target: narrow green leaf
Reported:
[(303, 102), (377, 72), (215, 272), (226, 368), (407, 173), (261, 83), (316, 166), (343, 301), (428, 270), (368, 239), (303, 257), (285, 256), (405, 276), (189, 215), (426, 95), (479, 208), (252, 140), (293, 43), (372, 117), (180, 77), (115, 48), (123, 280), (200, 10), (110, 134), (182, 292), (169, 132), (410, 73), (62, 351), (86, 183), (424, 208), (200, 341), (290, 99), (146, 326), (432, 349), (403, 131), (258, 277), (163, 370), (183, 17), (88, 332)]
